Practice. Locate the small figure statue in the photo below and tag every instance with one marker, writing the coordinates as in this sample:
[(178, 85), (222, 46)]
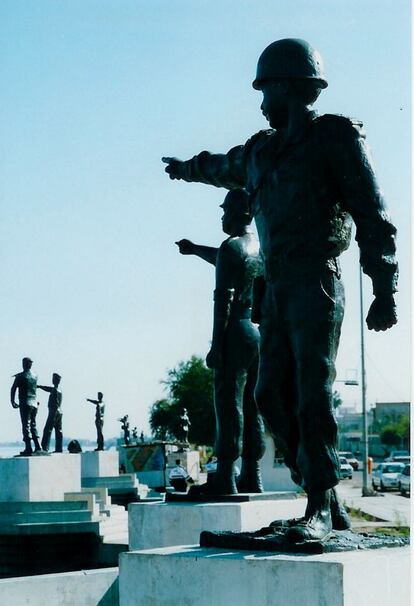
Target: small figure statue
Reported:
[(308, 175), (54, 417), (125, 428), (141, 437), (26, 384), (135, 433), (234, 352), (184, 425), (99, 419)]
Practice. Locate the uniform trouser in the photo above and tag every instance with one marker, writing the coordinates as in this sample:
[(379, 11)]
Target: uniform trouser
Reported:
[(28, 419), (53, 421), (300, 332), (239, 426), (100, 438)]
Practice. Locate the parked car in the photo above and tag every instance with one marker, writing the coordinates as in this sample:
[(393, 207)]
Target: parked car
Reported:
[(386, 476), (345, 469), (400, 456), (404, 480), (350, 458)]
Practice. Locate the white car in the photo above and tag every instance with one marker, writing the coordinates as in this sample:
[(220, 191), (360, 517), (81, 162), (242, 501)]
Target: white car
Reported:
[(345, 468), (386, 476), (404, 480)]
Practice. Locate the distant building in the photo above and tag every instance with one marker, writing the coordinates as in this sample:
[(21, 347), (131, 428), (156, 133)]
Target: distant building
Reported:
[(391, 412)]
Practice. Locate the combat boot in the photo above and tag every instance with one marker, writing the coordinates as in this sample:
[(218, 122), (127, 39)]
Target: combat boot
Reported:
[(317, 526), (250, 478)]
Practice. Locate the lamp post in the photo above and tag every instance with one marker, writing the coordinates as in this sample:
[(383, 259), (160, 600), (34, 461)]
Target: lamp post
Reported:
[(366, 490)]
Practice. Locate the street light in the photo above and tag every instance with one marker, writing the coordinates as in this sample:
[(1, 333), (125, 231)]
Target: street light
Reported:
[(366, 490)]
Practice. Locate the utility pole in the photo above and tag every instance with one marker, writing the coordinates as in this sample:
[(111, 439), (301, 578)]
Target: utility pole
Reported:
[(366, 490)]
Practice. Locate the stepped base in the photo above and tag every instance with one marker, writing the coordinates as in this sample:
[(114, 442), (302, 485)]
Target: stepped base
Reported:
[(166, 524)]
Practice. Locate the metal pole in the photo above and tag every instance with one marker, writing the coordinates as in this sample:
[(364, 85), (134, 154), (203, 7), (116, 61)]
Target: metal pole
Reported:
[(365, 488)]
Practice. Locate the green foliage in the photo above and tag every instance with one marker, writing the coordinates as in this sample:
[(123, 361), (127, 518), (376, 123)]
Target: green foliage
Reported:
[(394, 434), (390, 436), (190, 386)]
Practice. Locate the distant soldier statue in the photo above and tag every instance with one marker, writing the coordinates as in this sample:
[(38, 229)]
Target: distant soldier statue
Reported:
[(26, 384), (54, 417), (234, 352), (135, 433), (99, 419), (125, 428), (308, 176)]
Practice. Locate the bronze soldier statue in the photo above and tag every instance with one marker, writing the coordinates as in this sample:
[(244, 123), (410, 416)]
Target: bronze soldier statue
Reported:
[(99, 419), (125, 428), (54, 417), (234, 352), (308, 175), (26, 384)]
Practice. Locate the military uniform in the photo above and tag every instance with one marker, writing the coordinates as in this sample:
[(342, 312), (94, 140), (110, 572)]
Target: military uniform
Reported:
[(26, 384), (54, 419), (239, 430), (99, 421), (304, 192)]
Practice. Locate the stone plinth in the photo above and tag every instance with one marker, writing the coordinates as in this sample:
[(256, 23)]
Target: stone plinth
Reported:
[(203, 577), (165, 524), (39, 478), (96, 464), (275, 475), (83, 588)]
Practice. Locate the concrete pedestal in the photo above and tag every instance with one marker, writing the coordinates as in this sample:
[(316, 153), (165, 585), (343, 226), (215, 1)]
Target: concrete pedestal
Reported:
[(99, 463), (203, 577), (39, 478), (165, 524)]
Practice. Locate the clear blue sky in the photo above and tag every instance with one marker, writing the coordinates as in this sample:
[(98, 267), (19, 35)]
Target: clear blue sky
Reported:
[(93, 94)]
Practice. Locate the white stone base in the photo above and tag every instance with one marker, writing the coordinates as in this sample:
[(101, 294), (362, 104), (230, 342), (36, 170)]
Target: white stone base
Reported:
[(219, 577), (165, 524), (99, 463), (83, 588), (39, 478)]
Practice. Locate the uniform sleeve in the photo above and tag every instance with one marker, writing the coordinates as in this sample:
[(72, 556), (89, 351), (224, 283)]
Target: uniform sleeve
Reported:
[(222, 170), (350, 160)]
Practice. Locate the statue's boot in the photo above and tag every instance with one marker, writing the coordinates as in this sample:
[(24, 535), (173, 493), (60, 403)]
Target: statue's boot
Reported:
[(223, 480), (250, 478), (27, 452), (318, 525), (340, 518)]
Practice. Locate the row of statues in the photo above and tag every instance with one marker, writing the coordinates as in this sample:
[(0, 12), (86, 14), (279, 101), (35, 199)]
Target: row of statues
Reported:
[(125, 426), (303, 181), (26, 385)]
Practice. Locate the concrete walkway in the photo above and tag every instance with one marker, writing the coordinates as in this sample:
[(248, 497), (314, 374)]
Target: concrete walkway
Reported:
[(390, 507)]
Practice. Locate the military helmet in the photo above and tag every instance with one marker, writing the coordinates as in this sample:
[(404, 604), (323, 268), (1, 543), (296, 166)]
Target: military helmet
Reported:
[(289, 58), (238, 200)]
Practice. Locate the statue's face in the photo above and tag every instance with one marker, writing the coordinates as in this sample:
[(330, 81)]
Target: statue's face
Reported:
[(226, 221), (274, 104)]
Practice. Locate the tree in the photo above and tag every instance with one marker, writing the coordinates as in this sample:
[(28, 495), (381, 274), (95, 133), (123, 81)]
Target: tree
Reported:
[(389, 435), (190, 386)]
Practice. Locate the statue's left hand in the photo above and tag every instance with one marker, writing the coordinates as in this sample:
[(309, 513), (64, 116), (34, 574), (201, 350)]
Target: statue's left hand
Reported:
[(382, 314), (15, 405), (213, 358)]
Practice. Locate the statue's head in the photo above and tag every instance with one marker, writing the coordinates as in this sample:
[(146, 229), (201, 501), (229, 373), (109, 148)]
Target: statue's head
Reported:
[(56, 379), (100, 396), (27, 363), (236, 210), (288, 69)]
